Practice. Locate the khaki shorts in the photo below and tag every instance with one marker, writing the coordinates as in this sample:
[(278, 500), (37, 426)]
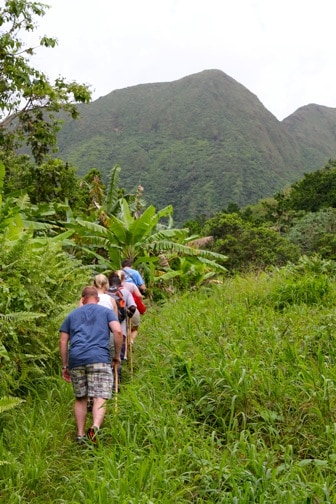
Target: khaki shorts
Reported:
[(92, 380), (135, 320)]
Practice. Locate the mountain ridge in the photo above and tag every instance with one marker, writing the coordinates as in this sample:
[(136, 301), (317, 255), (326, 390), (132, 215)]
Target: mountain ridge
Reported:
[(197, 143)]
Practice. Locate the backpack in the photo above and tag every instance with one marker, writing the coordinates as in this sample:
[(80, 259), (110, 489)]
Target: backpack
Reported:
[(117, 295)]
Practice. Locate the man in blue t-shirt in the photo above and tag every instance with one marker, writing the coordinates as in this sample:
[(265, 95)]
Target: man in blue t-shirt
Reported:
[(86, 359), (132, 275)]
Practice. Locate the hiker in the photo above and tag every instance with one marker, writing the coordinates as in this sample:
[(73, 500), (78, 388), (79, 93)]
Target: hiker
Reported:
[(133, 275), (86, 359), (133, 289), (102, 284), (124, 297)]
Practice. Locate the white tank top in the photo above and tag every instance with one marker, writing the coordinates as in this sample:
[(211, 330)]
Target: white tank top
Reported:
[(105, 300)]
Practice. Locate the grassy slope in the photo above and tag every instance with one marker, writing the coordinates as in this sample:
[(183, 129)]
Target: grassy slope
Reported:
[(232, 400)]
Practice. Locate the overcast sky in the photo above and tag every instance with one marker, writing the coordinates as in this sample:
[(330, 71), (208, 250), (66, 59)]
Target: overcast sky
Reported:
[(282, 51)]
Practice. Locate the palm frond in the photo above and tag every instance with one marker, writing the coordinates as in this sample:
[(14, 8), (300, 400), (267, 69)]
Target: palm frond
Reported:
[(4, 353), (23, 202), (16, 248)]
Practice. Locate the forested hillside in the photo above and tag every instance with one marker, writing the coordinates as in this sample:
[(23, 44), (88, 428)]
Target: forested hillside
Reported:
[(314, 128), (198, 143)]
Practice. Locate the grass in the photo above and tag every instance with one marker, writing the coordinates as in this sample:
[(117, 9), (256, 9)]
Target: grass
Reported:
[(232, 401)]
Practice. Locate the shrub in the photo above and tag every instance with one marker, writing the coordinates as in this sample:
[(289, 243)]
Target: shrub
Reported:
[(39, 282)]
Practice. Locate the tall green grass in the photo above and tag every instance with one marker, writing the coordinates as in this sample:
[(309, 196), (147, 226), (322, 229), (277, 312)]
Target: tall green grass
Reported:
[(232, 400)]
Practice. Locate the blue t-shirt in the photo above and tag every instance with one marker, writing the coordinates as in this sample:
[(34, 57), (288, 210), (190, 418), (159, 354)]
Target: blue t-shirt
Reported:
[(89, 332), (133, 276)]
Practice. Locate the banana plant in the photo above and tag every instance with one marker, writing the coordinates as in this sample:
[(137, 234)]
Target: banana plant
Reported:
[(144, 240)]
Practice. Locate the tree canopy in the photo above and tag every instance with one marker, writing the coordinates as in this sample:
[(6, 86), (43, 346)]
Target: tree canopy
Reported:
[(315, 190)]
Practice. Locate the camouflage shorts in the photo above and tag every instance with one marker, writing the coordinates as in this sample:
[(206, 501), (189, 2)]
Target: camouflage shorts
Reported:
[(92, 380)]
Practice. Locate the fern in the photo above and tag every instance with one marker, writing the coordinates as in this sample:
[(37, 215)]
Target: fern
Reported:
[(20, 316), (8, 403)]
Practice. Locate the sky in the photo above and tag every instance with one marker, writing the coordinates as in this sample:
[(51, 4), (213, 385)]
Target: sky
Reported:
[(282, 51)]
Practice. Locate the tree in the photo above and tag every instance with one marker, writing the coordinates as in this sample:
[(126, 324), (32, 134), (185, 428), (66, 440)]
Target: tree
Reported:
[(315, 191), (29, 103), (315, 233), (248, 246)]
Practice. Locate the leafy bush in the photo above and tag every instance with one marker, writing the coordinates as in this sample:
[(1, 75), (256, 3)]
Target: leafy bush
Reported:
[(315, 190), (38, 284), (248, 247), (315, 233), (309, 281), (309, 290)]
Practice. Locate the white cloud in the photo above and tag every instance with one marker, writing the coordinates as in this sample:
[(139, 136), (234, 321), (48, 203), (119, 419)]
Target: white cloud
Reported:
[(283, 52)]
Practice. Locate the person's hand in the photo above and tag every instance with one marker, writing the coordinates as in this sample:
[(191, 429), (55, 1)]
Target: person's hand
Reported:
[(131, 310), (116, 360), (66, 375)]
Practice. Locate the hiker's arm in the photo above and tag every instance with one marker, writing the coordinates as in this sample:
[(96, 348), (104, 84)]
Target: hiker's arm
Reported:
[(130, 305), (142, 288), (114, 306), (63, 345), (137, 292), (118, 339)]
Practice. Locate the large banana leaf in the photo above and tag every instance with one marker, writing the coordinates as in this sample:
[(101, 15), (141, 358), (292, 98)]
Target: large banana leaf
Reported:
[(112, 190)]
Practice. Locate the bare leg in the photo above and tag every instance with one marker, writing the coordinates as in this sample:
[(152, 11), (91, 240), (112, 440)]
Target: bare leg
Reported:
[(98, 411), (134, 334), (80, 410)]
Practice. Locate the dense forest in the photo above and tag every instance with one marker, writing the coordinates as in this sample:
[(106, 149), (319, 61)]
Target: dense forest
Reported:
[(231, 393)]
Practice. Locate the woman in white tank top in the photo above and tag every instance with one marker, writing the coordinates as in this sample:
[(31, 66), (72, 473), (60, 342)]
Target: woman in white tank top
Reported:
[(101, 283)]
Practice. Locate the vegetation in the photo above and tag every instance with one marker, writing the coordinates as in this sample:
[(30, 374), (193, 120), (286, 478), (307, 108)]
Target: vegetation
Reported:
[(248, 246), (232, 395), (315, 191), (238, 409), (38, 283), (297, 221)]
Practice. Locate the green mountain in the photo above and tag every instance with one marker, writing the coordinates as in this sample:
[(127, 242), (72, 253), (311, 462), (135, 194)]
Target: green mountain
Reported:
[(197, 143), (314, 128)]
